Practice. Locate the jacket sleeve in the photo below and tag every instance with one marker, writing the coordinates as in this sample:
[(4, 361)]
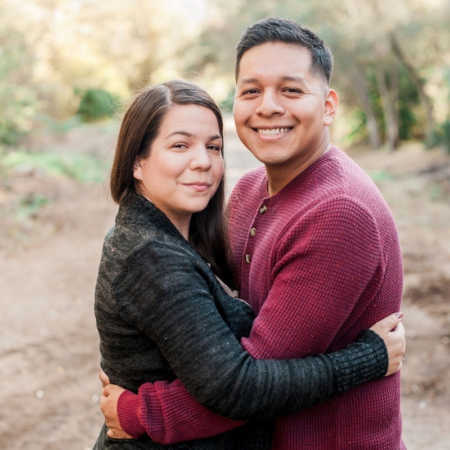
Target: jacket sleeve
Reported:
[(167, 298)]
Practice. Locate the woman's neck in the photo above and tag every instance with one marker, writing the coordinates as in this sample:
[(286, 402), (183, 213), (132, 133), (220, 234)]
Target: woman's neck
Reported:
[(180, 221)]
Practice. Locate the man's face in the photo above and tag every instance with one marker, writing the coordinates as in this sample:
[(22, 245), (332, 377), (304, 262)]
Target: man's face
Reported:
[(282, 107)]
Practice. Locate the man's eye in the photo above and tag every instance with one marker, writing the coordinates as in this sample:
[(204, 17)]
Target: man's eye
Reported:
[(250, 91), (216, 148), (291, 90), (179, 146)]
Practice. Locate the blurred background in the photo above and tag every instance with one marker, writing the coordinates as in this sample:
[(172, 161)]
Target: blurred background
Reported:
[(68, 68)]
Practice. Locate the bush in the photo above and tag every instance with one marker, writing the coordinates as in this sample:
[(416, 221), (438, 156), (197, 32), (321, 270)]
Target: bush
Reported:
[(18, 101), (441, 136), (83, 168), (97, 104), (226, 105)]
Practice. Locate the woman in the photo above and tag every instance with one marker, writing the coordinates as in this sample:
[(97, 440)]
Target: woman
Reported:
[(161, 312)]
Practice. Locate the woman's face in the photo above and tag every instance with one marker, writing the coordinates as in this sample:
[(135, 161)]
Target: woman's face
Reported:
[(184, 166)]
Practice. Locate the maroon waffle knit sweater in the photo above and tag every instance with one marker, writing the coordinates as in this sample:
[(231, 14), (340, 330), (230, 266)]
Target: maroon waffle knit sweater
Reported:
[(319, 262)]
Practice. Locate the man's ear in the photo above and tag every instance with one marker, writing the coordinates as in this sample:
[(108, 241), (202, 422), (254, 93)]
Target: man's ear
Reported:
[(331, 104), (137, 170)]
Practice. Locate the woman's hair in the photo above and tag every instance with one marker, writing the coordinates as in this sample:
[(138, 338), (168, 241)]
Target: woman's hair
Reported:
[(139, 128)]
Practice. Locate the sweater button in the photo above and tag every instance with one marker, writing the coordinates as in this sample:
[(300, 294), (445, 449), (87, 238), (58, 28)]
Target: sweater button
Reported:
[(248, 258), (252, 231), (263, 209)]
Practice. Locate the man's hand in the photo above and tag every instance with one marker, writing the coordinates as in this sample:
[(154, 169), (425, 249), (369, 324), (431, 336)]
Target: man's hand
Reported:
[(108, 405), (392, 331)]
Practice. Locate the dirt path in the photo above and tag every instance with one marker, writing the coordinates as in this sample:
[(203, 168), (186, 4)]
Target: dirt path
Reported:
[(49, 347), (49, 357)]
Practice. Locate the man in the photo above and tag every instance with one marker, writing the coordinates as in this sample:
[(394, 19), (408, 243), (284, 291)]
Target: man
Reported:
[(310, 226), (314, 244)]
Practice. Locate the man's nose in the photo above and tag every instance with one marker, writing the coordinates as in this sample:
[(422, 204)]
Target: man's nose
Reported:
[(269, 104)]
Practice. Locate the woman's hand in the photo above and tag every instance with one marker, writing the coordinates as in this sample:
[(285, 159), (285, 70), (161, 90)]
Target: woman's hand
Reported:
[(108, 405), (392, 331)]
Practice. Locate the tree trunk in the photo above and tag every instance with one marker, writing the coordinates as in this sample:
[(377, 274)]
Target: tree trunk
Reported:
[(363, 92), (419, 83), (389, 102)]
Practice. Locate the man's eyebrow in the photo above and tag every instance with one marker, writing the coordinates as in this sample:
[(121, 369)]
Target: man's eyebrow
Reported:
[(294, 78), (248, 80), (297, 79)]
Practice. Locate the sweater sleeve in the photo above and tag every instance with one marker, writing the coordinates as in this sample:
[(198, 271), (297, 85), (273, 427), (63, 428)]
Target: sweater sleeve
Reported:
[(174, 307)]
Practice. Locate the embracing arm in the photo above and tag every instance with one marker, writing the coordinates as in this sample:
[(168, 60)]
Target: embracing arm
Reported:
[(256, 389), (167, 298), (168, 413)]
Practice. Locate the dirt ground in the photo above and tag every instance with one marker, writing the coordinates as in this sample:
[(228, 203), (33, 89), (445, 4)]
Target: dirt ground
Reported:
[(48, 263)]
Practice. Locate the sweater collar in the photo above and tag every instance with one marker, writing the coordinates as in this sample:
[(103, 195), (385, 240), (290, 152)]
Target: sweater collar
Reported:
[(298, 180), (137, 211)]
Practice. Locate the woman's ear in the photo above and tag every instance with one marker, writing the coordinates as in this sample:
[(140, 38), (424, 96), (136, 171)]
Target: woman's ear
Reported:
[(331, 104), (137, 170)]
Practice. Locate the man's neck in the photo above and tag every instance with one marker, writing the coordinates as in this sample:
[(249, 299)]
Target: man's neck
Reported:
[(280, 176)]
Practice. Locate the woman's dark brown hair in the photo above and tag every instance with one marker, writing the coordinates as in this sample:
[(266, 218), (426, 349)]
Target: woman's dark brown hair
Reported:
[(139, 128)]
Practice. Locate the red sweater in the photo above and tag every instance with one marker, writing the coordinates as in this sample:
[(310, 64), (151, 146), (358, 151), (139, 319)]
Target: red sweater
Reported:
[(319, 262)]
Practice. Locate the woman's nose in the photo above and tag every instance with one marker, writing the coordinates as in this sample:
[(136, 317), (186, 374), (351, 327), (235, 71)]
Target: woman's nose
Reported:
[(201, 159)]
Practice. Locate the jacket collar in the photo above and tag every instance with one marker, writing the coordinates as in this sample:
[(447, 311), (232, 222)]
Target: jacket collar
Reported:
[(138, 212)]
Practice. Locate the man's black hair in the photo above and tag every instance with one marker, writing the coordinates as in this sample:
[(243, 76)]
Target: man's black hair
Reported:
[(285, 30)]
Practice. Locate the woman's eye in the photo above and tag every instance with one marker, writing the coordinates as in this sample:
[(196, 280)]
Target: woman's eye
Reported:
[(216, 148), (179, 146)]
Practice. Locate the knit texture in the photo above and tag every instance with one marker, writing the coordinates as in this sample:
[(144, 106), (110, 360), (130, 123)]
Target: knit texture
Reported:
[(161, 314), (360, 369), (325, 264), (158, 308), (171, 414)]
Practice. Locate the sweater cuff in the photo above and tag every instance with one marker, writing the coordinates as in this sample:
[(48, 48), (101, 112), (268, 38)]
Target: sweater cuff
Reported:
[(127, 411), (364, 360)]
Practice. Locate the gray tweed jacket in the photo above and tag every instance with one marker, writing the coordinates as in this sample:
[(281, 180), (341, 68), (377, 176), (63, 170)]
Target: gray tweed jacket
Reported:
[(161, 314)]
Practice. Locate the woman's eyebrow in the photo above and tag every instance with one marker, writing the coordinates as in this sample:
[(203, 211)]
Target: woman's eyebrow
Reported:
[(184, 133), (187, 134)]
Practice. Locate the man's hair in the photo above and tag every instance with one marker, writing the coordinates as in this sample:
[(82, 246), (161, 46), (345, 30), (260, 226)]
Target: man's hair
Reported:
[(289, 32)]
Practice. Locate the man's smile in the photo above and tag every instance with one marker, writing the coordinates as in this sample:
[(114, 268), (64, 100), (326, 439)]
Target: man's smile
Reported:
[(273, 132)]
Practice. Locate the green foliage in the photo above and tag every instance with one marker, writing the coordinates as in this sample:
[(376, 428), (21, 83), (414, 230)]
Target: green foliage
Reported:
[(226, 105), (358, 130), (30, 205), (380, 176), (441, 136), (97, 104), (81, 167), (18, 102), (60, 126), (408, 99), (407, 120)]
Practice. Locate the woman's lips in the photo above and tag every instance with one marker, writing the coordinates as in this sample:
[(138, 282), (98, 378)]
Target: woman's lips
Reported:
[(198, 187)]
